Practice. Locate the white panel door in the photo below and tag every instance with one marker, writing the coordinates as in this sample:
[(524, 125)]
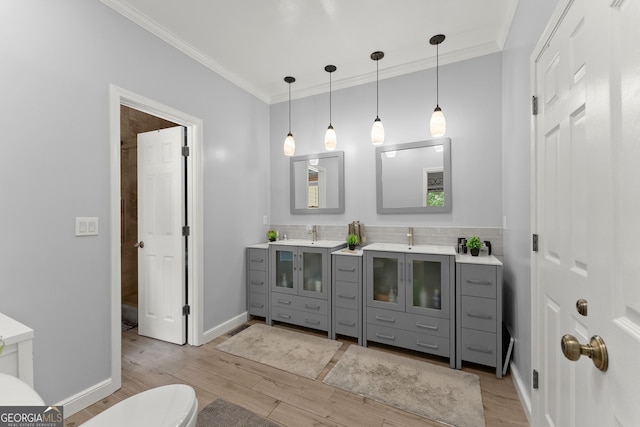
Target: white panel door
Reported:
[(161, 256), (585, 210)]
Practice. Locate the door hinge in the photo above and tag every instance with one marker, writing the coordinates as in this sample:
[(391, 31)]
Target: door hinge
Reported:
[(534, 241), (185, 151), (186, 310), (534, 105), (186, 230), (534, 379)]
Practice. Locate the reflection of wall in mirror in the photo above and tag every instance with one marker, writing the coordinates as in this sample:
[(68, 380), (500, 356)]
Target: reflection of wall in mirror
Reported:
[(402, 178), (316, 185)]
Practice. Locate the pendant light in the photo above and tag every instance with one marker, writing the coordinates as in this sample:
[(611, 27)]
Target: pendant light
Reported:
[(377, 131), (330, 140), (289, 143), (438, 125)]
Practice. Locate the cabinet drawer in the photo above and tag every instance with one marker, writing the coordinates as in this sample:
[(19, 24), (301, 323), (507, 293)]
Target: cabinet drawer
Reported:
[(257, 281), (347, 322), (347, 294), (478, 280), (479, 347), (309, 320), (257, 304), (479, 313), (409, 322), (411, 340), (295, 302), (257, 259), (347, 268)]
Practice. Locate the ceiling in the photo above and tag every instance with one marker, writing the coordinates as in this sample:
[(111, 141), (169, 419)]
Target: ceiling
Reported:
[(256, 43)]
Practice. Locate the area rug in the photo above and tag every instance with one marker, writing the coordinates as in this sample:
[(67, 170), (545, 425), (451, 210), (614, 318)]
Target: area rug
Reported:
[(221, 413), (438, 393), (294, 352)]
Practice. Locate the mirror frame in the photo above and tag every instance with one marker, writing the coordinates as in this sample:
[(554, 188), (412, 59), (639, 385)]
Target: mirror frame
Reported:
[(446, 143), (292, 185)]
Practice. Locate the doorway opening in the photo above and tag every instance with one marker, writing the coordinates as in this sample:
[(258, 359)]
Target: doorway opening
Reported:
[(132, 123), (119, 98)]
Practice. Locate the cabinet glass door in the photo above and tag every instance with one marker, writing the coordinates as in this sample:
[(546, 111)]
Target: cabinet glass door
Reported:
[(312, 274), (428, 284), (283, 270), (385, 271)]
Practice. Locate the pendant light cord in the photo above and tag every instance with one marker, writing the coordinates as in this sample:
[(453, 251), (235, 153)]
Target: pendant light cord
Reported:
[(289, 107), (438, 75), (377, 90), (329, 98)]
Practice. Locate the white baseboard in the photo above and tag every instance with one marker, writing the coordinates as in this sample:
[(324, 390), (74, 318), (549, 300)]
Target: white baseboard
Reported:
[(521, 388), (223, 328), (87, 397)]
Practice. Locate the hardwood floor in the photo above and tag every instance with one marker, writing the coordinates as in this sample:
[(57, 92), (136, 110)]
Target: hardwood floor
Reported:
[(282, 397)]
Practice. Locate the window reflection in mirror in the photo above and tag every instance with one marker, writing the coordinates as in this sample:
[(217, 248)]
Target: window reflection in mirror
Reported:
[(414, 177), (317, 183)]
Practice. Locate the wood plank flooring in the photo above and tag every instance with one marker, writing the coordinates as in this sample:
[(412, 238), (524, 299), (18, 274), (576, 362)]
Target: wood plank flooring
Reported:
[(282, 397)]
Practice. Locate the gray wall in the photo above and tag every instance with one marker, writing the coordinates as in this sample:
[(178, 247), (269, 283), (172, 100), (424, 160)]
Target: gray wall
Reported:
[(58, 59), (529, 22), (470, 97)]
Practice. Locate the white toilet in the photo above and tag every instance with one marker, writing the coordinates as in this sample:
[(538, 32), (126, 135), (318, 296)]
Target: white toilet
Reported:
[(167, 406)]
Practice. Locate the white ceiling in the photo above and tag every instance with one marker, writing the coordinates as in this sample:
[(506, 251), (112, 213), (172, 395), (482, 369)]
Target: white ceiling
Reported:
[(256, 43)]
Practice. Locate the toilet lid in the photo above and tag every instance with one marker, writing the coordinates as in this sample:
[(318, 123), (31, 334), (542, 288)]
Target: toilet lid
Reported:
[(15, 392), (166, 406)]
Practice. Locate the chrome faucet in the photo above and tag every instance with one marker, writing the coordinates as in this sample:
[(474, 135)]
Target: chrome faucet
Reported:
[(410, 236), (314, 233)]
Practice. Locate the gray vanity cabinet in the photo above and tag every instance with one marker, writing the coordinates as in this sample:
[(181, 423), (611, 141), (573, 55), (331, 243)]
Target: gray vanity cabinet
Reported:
[(479, 311), (346, 294), (299, 283), (409, 301), (257, 280)]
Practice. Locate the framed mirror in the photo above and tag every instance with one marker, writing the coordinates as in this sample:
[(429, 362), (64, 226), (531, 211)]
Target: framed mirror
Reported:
[(414, 177), (317, 183)]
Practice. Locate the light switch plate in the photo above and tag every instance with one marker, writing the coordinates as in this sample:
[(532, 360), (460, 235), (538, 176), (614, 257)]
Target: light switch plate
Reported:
[(86, 226)]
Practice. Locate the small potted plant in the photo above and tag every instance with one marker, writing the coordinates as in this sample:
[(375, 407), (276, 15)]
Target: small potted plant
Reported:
[(352, 241), (272, 235), (474, 244)]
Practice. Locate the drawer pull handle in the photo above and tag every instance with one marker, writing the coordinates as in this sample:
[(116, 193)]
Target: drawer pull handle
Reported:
[(284, 316), (312, 321), (257, 305), (257, 260), (350, 270), (386, 337), (424, 344), (347, 296), (253, 282), (479, 315), (312, 307), (433, 328), (479, 282), (479, 349), (284, 301), (386, 319), (345, 323)]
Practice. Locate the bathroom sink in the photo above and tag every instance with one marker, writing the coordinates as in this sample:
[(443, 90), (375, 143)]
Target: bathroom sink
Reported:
[(310, 243), (418, 249)]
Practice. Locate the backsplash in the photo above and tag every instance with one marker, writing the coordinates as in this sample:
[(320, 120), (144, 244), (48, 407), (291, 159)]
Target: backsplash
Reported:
[(394, 234)]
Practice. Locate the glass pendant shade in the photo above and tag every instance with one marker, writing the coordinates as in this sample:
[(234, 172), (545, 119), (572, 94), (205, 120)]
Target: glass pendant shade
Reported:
[(438, 124), (330, 140), (377, 132), (289, 145)]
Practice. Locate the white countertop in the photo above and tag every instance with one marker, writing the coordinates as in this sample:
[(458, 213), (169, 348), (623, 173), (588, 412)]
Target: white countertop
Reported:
[(13, 331), (480, 259), (348, 252), (418, 249), (309, 243), (259, 246)]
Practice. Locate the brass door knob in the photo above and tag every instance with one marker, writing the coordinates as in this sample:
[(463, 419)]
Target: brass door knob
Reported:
[(140, 245), (596, 350)]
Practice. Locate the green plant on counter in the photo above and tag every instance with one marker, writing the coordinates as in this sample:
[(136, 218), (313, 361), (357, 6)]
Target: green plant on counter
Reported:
[(352, 241), (272, 235), (474, 242)]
